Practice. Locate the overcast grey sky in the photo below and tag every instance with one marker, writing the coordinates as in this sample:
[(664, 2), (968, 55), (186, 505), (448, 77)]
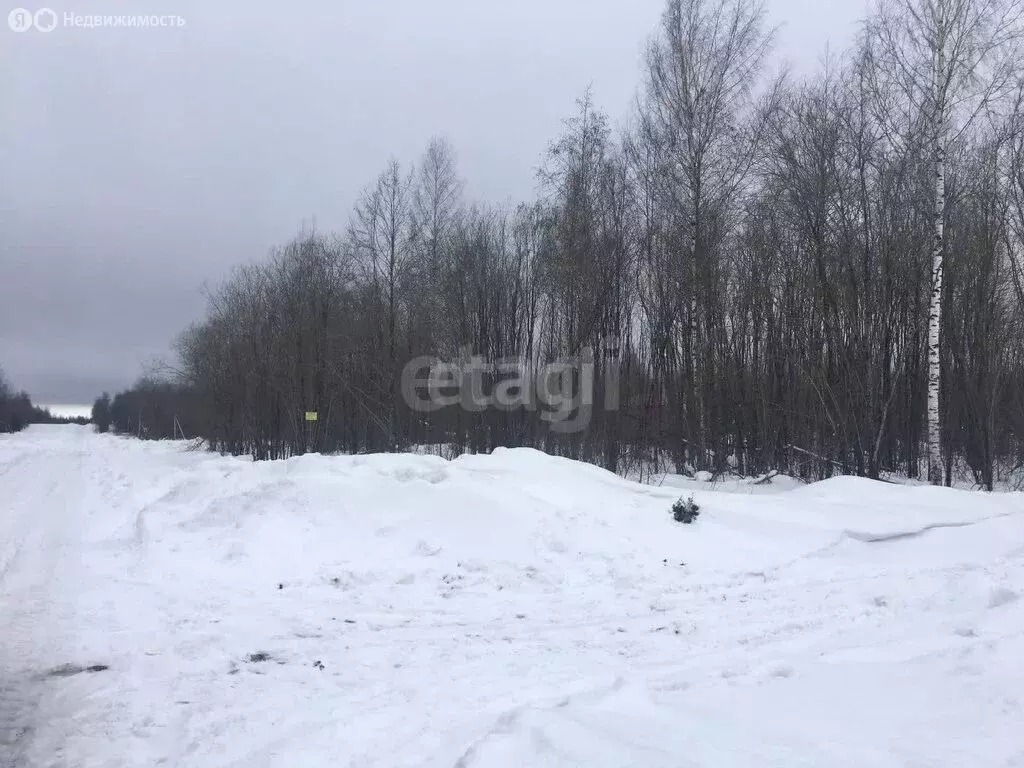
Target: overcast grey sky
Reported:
[(135, 164)]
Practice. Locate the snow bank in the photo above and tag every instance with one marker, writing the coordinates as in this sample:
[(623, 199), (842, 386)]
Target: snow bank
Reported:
[(506, 610)]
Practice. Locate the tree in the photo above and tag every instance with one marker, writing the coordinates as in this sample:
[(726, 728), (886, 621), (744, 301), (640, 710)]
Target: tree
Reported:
[(436, 210), (702, 112), (101, 413), (953, 60), (762, 266), (16, 409), (382, 237)]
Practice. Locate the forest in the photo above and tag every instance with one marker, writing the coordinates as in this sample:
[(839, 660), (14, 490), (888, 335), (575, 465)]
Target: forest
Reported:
[(818, 275)]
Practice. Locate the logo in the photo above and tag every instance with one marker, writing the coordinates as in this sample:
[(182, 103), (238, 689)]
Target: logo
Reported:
[(45, 20), (22, 20), (562, 392), (19, 20)]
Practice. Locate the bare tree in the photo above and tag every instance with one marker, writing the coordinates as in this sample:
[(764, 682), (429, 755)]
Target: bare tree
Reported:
[(700, 108), (763, 271), (382, 237), (953, 59)]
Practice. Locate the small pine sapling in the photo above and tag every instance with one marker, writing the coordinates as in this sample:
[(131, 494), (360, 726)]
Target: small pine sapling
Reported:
[(685, 511)]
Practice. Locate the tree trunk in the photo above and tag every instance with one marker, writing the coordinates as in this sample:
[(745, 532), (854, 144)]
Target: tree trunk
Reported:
[(935, 317)]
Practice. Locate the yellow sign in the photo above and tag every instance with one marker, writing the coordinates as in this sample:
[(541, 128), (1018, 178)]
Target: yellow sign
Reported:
[(312, 415)]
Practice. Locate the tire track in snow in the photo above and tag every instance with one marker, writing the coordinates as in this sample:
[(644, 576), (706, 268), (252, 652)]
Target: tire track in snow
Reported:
[(20, 692), (34, 596), (18, 706)]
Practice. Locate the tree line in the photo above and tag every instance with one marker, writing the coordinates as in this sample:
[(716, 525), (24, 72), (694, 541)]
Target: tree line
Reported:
[(18, 412), (16, 409), (816, 276)]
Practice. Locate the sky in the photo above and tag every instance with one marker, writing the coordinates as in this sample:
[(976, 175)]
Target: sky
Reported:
[(138, 165)]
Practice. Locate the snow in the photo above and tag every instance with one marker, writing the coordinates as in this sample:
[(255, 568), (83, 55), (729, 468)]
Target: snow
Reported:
[(63, 411), (507, 610)]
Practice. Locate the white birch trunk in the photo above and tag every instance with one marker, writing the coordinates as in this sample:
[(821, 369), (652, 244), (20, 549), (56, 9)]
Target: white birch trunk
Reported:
[(695, 447), (935, 322), (935, 302)]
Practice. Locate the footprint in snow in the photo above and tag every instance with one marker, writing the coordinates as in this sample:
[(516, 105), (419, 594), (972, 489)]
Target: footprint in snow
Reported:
[(425, 550)]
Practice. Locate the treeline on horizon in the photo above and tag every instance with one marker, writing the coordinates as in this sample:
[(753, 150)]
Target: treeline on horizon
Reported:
[(18, 412), (761, 249)]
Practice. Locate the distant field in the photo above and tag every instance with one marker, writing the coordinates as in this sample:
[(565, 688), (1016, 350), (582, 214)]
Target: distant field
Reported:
[(69, 411)]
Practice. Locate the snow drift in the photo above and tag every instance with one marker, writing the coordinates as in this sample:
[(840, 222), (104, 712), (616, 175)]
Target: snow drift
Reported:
[(505, 610)]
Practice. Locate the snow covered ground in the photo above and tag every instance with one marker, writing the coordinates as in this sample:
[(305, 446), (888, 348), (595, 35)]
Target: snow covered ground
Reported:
[(506, 610)]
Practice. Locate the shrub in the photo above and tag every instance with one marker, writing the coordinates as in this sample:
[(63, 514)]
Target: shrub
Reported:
[(685, 511)]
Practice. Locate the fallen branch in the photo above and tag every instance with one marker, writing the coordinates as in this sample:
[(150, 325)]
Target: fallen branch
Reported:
[(805, 452)]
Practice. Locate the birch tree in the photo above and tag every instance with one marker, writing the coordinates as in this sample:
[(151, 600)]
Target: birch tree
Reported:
[(766, 262), (953, 60)]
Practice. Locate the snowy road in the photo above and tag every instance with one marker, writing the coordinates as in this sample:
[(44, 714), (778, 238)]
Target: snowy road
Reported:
[(508, 610)]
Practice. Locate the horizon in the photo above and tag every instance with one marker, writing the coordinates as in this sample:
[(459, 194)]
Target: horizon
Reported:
[(67, 410)]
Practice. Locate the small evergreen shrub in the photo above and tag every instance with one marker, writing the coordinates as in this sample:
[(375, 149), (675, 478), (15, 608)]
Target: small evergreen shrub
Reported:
[(685, 511)]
